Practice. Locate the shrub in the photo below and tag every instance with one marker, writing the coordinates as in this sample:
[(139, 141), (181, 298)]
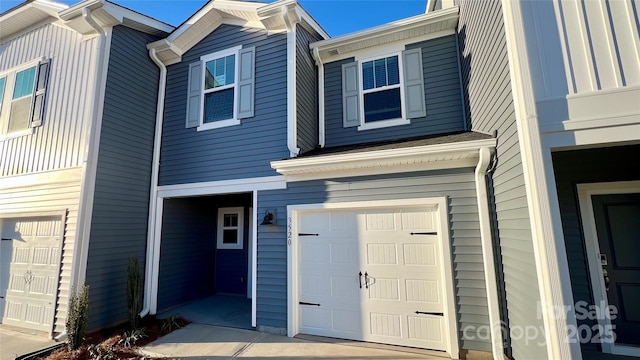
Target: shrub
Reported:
[(135, 283), (129, 338), (78, 317), (171, 323)]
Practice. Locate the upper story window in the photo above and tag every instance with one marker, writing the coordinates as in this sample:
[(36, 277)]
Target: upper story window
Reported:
[(383, 91), (221, 89), (22, 92)]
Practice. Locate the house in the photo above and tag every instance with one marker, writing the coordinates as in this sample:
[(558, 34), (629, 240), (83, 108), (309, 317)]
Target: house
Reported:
[(559, 82), (76, 141), (239, 88), (328, 180)]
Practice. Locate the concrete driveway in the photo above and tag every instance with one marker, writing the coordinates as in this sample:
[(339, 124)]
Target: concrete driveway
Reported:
[(198, 341), (14, 343)]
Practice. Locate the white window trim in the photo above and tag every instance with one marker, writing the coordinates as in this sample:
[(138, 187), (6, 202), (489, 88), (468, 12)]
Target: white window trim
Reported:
[(239, 245), (216, 55), (361, 93), (9, 85)]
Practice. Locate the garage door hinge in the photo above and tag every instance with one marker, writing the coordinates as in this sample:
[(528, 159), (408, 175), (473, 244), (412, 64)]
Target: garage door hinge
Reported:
[(305, 234), (424, 233), (308, 303), (429, 313)]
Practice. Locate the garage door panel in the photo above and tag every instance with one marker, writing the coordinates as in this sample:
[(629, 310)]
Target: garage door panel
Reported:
[(420, 254), (403, 271), (30, 259)]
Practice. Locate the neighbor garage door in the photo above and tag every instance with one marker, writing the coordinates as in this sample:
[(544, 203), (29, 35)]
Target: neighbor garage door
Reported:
[(372, 275), (29, 263)]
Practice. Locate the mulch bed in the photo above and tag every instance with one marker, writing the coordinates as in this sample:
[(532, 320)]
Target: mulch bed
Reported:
[(107, 344)]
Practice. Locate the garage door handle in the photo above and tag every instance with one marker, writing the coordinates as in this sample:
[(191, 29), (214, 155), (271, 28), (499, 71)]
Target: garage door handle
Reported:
[(429, 313), (366, 280), (3, 239), (308, 303), (360, 279), (424, 233)]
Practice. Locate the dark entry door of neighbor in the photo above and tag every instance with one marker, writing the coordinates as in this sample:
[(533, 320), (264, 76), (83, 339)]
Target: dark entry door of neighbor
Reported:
[(618, 228)]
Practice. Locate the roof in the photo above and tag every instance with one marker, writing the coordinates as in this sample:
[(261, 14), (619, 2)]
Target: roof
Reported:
[(446, 151), (279, 16), (33, 12), (432, 24), (399, 144)]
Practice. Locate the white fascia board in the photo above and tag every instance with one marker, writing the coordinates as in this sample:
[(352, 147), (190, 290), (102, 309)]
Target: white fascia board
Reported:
[(393, 27), (222, 187), (118, 12), (354, 161)]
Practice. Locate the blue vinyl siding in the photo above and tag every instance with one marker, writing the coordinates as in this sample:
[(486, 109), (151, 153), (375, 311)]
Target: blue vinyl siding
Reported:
[(307, 91), (576, 167), (187, 253), (240, 151), (442, 94), (458, 185), (121, 200), (489, 107)]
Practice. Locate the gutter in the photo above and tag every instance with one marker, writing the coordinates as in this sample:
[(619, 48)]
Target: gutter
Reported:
[(321, 131), (153, 250), (488, 261)]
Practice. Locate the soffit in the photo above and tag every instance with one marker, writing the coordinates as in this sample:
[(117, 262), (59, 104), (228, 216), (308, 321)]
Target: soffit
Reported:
[(441, 21)]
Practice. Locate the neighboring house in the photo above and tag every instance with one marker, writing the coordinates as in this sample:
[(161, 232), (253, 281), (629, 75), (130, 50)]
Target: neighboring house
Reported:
[(76, 138), (559, 81)]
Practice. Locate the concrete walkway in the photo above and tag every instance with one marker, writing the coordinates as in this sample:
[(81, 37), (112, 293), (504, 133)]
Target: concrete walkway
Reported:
[(14, 343), (198, 341)]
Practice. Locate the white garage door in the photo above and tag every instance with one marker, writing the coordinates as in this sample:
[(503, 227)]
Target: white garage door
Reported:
[(29, 263), (372, 275)]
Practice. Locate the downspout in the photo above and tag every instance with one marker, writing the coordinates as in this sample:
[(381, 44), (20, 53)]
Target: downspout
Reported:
[(89, 167), (488, 260), (320, 64), (292, 131), (153, 250)]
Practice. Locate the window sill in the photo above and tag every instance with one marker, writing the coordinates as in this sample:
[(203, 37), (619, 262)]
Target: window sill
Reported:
[(16, 134), (384, 124), (218, 124)]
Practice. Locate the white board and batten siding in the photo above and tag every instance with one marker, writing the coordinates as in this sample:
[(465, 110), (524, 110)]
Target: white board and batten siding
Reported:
[(40, 172), (59, 142), (373, 275)]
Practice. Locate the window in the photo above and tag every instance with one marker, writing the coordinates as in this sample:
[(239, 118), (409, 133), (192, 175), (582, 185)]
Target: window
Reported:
[(22, 93), (230, 228), (383, 91), (221, 89)]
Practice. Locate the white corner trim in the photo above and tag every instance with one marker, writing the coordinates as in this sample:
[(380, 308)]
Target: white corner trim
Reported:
[(488, 261), (552, 268), (585, 191), (293, 213), (90, 162)]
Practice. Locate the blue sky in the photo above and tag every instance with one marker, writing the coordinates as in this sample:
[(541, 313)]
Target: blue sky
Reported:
[(338, 17)]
